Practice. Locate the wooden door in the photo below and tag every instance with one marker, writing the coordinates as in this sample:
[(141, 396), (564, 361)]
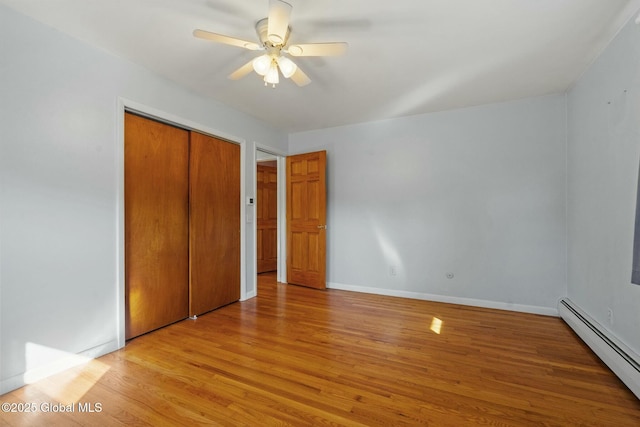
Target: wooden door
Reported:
[(214, 223), (306, 219), (156, 224), (267, 217)]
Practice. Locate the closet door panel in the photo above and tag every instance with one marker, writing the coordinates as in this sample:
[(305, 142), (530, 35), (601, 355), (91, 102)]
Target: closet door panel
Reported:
[(214, 223), (156, 224)]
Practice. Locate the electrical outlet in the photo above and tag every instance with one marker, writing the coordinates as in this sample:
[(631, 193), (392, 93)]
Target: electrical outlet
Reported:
[(610, 316), (393, 270)]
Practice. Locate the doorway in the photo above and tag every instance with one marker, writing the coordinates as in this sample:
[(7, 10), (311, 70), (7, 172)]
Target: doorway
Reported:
[(300, 218), (269, 214)]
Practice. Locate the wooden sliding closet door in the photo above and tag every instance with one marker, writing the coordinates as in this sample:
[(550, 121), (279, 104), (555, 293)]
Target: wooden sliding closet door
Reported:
[(214, 223), (156, 224)]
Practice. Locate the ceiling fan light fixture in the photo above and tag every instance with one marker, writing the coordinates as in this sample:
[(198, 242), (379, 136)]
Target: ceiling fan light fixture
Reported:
[(272, 77), (273, 35), (287, 66), (262, 64)]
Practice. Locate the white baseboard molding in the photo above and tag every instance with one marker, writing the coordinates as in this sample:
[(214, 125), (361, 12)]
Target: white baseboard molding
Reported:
[(623, 361), (60, 364), (546, 311)]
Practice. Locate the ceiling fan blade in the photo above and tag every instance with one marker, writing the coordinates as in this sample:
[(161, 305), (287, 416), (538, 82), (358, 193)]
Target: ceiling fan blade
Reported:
[(279, 14), (300, 78), (207, 35), (318, 49), (242, 71)]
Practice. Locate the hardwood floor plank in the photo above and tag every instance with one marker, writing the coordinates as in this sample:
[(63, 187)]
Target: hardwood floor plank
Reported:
[(295, 356)]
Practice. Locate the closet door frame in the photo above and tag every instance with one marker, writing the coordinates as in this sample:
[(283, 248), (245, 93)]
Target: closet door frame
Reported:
[(124, 105)]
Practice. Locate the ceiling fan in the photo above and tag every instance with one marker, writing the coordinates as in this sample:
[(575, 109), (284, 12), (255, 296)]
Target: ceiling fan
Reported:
[(273, 33)]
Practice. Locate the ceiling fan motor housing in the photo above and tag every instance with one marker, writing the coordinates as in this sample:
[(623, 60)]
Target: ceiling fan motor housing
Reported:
[(262, 29)]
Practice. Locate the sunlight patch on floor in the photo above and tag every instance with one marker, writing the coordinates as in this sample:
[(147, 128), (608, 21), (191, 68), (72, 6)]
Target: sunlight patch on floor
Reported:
[(66, 379), (436, 325)]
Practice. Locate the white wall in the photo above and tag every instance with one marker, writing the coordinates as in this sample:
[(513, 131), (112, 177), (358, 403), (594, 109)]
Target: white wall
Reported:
[(59, 182), (477, 192), (603, 154)]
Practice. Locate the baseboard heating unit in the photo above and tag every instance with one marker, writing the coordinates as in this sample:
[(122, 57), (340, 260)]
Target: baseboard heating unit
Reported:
[(619, 358)]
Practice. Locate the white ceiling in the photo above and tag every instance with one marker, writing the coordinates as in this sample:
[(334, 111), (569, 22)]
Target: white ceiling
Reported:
[(405, 56)]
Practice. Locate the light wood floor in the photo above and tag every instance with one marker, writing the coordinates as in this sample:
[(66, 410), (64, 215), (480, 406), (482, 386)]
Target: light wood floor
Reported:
[(296, 356)]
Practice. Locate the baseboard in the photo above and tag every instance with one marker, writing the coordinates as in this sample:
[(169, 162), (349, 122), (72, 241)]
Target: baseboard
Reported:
[(623, 361), (546, 311), (59, 365)]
